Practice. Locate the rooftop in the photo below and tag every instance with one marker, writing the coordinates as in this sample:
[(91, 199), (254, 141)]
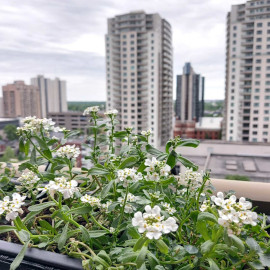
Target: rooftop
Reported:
[(209, 123)]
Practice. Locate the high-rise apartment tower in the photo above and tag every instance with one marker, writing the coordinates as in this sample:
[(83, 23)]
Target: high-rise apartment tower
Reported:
[(21, 100), (189, 95), (139, 73), (247, 99), (53, 96)]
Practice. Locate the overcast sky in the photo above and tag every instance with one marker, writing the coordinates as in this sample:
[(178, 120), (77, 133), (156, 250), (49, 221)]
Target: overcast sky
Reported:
[(65, 38)]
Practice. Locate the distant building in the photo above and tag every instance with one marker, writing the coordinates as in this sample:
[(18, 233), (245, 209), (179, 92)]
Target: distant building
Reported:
[(21, 100), (189, 95), (70, 120), (207, 128), (53, 94), (139, 73), (247, 97), (1, 107)]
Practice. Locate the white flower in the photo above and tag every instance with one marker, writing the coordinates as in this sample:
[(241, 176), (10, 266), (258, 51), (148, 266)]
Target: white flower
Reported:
[(156, 169), (128, 175), (68, 151), (28, 179), (129, 208), (112, 229), (232, 214), (146, 133), (111, 112), (33, 124), (93, 201), (89, 110), (152, 223), (12, 208), (62, 185), (168, 208), (191, 179)]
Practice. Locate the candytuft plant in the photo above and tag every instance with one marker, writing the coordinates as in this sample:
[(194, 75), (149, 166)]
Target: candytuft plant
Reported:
[(128, 211)]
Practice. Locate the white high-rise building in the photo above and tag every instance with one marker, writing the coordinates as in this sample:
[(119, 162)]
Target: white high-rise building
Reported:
[(139, 73), (247, 101), (53, 94)]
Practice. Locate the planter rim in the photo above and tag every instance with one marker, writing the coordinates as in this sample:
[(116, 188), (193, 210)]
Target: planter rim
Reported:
[(41, 256)]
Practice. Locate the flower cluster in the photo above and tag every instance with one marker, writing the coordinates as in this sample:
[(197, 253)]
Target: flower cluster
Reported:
[(93, 201), (62, 185), (232, 214), (111, 113), (129, 208), (33, 124), (128, 175), (155, 169), (191, 179), (28, 180), (146, 132), (171, 210), (12, 208), (90, 110), (68, 151), (153, 223)]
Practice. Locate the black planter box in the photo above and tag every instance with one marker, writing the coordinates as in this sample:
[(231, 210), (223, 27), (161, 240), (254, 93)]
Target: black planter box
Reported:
[(36, 259)]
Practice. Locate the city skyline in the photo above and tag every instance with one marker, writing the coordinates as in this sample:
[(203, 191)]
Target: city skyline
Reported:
[(67, 40)]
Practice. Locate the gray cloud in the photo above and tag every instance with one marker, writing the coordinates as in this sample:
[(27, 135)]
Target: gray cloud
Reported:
[(65, 38)]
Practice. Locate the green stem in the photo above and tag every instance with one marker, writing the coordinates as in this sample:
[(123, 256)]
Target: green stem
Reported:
[(97, 223), (122, 210)]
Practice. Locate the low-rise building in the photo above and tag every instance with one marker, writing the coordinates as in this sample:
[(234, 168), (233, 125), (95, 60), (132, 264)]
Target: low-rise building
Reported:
[(206, 128), (70, 120)]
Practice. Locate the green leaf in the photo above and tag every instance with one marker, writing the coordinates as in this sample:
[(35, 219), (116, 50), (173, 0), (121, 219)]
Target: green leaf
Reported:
[(133, 233), (96, 170), (120, 134), (21, 144), (46, 225), (63, 237), (72, 133), (253, 245), (97, 233), (4, 181), (212, 265), (141, 257), (187, 163), (191, 249), (202, 229), (207, 246), (99, 260), (172, 159), (205, 216), (162, 246), (24, 235), (6, 228), (17, 261), (80, 210), (41, 143), (168, 145), (141, 167), (237, 242), (189, 143), (153, 261), (41, 206), (112, 206), (106, 189), (33, 157), (85, 233), (139, 244), (128, 162), (152, 150), (265, 259), (26, 148), (30, 216)]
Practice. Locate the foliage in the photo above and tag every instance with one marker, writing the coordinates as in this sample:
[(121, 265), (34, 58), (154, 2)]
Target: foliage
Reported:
[(82, 105), (237, 177), (127, 211), (8, 154), (11, 132)]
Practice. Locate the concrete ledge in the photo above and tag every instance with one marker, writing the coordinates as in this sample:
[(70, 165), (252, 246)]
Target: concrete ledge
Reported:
[(257, 191)]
